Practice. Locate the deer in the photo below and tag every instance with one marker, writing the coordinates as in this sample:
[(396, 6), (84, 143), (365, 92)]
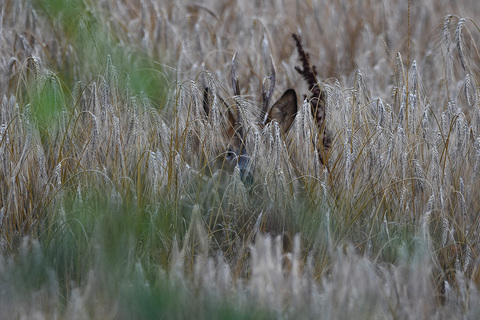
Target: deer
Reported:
[(283, 112)]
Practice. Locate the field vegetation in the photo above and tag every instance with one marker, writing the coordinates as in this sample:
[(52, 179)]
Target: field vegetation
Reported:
[(117, 198)]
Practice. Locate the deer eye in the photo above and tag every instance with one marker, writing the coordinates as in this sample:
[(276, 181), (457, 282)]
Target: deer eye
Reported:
[(230, 156)]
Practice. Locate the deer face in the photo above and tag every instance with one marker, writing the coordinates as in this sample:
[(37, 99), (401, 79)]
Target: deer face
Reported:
[(233, 132)]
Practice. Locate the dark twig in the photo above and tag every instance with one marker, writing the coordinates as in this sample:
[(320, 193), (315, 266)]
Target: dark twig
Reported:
[(317, 96), (308, 71)]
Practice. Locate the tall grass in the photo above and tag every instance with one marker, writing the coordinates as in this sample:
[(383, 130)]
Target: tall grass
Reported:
[(117, 201)]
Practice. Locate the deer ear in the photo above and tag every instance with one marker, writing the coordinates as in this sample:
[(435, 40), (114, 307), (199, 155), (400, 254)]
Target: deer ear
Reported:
[(230, 125), (231, 119), (284, 110)]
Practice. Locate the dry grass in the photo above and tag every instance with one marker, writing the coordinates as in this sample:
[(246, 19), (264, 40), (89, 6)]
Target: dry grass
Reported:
[(117, 201)]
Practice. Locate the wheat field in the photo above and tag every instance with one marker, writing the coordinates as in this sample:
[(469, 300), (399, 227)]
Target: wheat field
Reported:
[(118, 200)]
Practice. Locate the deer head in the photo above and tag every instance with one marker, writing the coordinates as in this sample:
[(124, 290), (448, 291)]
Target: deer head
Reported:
[(283, 111)]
